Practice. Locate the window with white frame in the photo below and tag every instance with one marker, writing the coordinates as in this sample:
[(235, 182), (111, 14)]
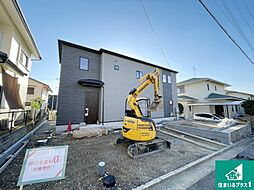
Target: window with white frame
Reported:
[(23, 59), (169, 79), (83, 63), (139, 74), (14, 50), (164, 78)]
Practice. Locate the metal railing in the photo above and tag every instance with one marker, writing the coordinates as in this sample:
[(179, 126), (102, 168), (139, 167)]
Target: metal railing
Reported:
[(12, 120)]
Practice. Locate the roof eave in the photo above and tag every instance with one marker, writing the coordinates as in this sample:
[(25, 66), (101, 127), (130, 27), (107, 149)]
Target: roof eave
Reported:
[(62, 42), (35, 51)]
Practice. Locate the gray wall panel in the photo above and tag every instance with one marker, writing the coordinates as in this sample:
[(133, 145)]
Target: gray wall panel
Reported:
[(71, 95)]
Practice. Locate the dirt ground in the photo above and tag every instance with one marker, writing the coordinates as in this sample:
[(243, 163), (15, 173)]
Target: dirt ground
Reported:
[(85, 154)]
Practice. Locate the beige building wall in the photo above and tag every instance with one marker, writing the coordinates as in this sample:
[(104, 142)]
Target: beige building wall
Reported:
[(241, 95), (121, 88), (40, 91), (199, 90)]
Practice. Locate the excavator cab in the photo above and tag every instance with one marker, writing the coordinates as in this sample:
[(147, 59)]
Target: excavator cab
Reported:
[(143, 106)]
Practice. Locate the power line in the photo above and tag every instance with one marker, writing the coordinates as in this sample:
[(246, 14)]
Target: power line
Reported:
[(154, 33), (236, 25), (248, 10), (234, 22), (224, 30), (242, 15)]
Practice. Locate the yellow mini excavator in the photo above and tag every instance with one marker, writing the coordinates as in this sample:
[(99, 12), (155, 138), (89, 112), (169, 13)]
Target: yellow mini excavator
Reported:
[(138, 130)]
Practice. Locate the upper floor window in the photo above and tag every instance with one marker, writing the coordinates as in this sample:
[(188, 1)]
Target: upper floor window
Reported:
[(30, 90), (208, 87), (169, 79), (14, 50), (164, 78), (181, 89), (215, 88), (23, 59), (83, 63), (139, 74), (116, 67)]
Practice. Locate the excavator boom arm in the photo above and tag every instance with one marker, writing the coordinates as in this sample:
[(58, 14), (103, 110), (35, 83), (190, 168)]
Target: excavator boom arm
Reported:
[(150, 78)]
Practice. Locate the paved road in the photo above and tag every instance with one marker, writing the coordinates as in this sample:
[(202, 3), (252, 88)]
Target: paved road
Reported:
[(207, 183)]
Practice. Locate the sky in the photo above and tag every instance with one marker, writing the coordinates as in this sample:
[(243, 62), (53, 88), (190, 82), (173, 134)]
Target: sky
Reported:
[(189, 37)]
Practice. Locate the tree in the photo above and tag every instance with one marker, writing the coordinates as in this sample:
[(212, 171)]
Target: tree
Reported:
[(180, 107), (248, 106), (36, 103)]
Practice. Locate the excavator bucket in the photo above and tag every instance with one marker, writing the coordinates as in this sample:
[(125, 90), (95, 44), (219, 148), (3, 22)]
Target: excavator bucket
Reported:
[(154, 105)]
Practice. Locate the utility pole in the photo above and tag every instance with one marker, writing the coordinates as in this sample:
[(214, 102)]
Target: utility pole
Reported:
[(194, 70)]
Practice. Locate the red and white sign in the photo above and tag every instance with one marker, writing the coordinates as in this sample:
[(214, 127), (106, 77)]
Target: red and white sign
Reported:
[(43, 164)]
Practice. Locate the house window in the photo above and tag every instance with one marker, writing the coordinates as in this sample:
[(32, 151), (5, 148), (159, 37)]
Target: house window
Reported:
[(208, 87), (116, 67), (23, 59), (164, 78), (215, 88), (181, 89), (233, 109), (169, 79), (28, 104), (236, 108), (30, 90), (189, 108), (83, 63), (14, 50), (139, 74)]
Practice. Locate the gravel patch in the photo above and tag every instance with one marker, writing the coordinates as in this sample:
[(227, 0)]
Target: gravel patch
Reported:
[(85, 154)]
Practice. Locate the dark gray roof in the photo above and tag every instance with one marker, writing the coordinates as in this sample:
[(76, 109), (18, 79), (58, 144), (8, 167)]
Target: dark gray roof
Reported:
[(221, 96), (187, 97), (61, 42), (193, 80)]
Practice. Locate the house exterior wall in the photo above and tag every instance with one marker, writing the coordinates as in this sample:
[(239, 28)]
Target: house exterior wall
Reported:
[(199, 90), (8, 32), (71, 99), (39, 91), (241, 95), (200, 109), (169, 100), (117, 85)]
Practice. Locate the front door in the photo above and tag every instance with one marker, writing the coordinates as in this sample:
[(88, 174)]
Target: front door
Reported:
[(91, 107)]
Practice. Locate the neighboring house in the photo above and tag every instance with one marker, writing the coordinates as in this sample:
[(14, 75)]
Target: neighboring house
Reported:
[(94, 84), (243, 95), (207, 95), (37, 89), (17, 48)]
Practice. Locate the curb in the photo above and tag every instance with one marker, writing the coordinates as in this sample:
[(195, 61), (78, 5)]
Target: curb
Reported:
[(192, 164), (13, 148)]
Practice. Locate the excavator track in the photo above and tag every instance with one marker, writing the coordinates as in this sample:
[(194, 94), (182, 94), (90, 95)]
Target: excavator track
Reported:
[(140, 149)]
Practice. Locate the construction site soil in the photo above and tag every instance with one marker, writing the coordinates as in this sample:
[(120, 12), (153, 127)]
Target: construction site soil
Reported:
[(85, 154)]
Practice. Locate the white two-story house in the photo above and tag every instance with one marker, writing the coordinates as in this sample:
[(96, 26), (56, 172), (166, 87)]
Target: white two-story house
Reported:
[(17, 49), (199, 95)]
